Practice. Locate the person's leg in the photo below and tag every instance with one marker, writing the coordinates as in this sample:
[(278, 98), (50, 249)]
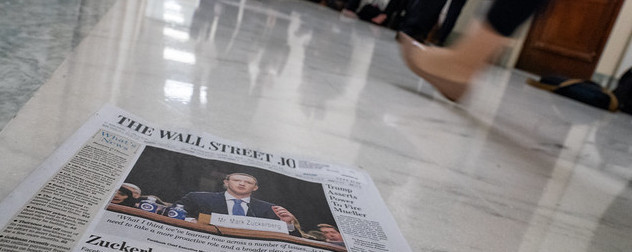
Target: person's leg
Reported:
[(350, 8), (394, 6), (454, 10), (450, 70), (392, 10), (352, 5), (506, 15), (421, 16)]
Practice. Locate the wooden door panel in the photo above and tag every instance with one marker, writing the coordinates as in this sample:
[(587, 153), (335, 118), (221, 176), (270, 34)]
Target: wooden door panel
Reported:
[(568, 37)]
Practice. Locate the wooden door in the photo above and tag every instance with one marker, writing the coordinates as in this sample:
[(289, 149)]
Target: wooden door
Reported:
[(568, 36)]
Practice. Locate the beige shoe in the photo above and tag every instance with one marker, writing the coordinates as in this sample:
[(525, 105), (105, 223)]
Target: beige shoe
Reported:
[(450, 70)]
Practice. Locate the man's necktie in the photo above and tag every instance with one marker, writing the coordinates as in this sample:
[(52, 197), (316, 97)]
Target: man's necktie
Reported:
[(237, 209)]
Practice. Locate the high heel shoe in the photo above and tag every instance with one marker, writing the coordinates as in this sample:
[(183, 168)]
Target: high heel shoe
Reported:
[(451, 70)]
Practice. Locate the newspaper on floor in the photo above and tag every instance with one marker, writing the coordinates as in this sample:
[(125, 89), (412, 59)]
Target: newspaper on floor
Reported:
[(121, 183)]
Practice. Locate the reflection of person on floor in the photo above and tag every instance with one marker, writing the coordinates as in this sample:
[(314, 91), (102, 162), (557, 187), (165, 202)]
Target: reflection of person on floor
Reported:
[(331, 234), (236, 200), (450, 70)]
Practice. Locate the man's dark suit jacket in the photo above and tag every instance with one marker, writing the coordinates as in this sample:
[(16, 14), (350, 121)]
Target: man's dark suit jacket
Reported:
[(215, 202)]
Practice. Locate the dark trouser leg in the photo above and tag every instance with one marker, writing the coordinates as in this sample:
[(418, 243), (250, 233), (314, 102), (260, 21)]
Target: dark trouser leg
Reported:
[(393, 11), (454, 10), (506, 15), (421, 16), (352, 5), (395, 6)]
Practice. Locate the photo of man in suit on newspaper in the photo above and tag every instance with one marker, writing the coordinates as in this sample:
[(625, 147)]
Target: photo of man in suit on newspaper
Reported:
[(236, 200), (203, 187)]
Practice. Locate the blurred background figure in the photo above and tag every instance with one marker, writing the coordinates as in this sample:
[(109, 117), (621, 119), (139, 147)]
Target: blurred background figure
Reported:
[(334, 4), (421, 17), (423, 20), (446, 27), (380, 12)]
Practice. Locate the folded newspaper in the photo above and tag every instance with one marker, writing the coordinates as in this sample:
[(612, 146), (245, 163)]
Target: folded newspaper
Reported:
[(121, 183)]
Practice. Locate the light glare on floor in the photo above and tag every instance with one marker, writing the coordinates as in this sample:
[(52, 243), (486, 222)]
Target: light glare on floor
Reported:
[(178, 91), (173, 18), (172, 6), (180, 35), (179, 56)]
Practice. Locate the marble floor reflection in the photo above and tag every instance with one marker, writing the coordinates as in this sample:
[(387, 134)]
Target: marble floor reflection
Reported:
[(511, 169), (35, 37)]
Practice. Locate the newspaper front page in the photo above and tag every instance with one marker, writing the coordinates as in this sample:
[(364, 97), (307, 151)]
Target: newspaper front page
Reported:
[(123, 184)]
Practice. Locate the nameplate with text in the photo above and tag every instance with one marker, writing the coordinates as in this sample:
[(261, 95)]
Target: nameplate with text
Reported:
[(250, 223)]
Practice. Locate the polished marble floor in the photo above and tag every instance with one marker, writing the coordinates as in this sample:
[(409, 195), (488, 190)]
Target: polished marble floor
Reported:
[(35, 38), (511, 169)]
